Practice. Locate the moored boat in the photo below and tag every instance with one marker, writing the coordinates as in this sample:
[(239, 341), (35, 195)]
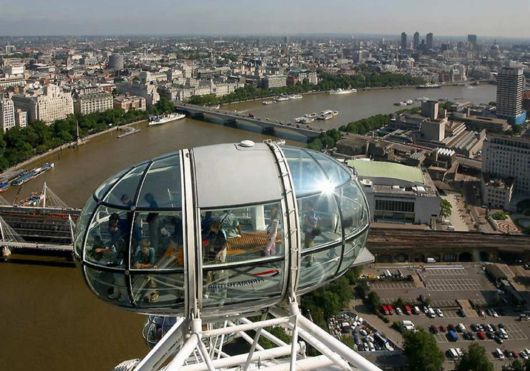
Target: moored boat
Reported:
[(159, 120), (342, 91)]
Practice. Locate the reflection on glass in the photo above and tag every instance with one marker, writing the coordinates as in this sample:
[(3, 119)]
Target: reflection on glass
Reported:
[(242, 234), (351, 250), (157, 289), (124, 191), (161, 187), (107, 238), (160, 241), (336, 172), (107, 184), (307, 176), (108, 285), (242, 284), (353, 207), (319, 266), (82, 223), (320, 220)]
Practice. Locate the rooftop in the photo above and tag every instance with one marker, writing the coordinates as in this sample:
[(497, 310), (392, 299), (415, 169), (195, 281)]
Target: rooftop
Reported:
[(381, 169)]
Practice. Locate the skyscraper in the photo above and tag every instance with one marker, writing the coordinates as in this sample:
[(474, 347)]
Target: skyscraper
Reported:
[(116, 62), (416, 40), (403, 40), (510, 82), (472, 41), (429, 40)]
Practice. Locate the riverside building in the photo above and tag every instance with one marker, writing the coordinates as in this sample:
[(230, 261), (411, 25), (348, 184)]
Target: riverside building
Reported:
[(48, 107), (510, 83), (7, 114), (93, 102)]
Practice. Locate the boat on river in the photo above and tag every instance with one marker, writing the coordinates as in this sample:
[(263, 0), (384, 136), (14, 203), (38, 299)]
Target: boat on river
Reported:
[(428, 86), (342, 91), (162, 119), (327, 115), (27, 175)]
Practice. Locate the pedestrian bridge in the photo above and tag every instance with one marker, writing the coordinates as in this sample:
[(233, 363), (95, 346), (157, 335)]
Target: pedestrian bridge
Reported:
[(245, 121)]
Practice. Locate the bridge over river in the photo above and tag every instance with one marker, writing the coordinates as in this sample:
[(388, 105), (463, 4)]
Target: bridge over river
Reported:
[(246, 121)]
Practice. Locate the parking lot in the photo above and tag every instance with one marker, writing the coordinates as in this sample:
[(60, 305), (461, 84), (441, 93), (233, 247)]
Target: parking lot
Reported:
[(446, 287)]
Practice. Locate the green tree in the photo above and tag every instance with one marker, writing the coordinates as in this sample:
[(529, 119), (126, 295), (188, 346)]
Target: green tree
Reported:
[(374, 300), (474, 359), (445, 208), (421, 351)]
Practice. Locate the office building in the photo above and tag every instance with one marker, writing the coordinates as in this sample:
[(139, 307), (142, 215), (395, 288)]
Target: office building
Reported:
[(21, 118), (86, 103), (510, 83), (403, 40), (7, 114), (416, 40), (48, 107), (496, 192), (508, 158), (128, 102), (274, 81), (429, 40), (433, 130), (397, 192), (472, 41), (115, 62), (430, 108)]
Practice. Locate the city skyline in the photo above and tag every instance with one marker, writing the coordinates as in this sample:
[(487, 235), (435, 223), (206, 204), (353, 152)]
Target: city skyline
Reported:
[(58, 17)]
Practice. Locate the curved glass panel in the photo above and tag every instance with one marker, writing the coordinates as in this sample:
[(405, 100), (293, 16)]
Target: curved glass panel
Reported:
[(337, 173), (107, 237), (108, 285), (155, 290), (353, 207), (82, 223), (159, 241), (308, 177), (242, 284), (319, 220), (161, 187), (319, 266), (242, 234), (124, 191), (107, 184), (352, 248)]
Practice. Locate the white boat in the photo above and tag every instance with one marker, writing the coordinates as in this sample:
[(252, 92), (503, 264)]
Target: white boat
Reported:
[(282, 99), (342, 91), (311, 115), (159, 120), (401, 104), (326, 115), (296, 96), (428, 86), (267, 102), (304, 120), (409, 102)]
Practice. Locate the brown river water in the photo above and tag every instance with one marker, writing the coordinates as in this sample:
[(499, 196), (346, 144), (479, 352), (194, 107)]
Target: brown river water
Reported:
[(51, 321)]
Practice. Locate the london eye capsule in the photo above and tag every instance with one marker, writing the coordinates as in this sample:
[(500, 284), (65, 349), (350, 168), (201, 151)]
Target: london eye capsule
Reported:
[(222, 230)]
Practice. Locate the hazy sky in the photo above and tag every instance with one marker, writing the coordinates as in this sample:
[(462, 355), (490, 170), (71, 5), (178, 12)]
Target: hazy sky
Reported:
[(96, 17)]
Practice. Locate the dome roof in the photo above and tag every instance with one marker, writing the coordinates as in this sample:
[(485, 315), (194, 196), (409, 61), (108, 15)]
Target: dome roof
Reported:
[(220, 228)]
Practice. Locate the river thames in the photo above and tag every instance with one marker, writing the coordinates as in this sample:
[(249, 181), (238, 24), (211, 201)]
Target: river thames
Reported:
[(51, 320)]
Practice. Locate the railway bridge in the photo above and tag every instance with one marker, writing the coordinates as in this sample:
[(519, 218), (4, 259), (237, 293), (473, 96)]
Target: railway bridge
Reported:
[(284, 130)]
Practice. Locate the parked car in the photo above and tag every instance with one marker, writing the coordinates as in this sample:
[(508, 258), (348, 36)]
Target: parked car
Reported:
[(416, 309), (439, 312), (452, 335), (433, 329), (460, 327), (481, 335), (441, 328), (399, 311), (498, 353), (498, 339), (408, 309)]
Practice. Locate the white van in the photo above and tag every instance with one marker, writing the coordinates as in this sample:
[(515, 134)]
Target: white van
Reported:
[(498, 353)]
